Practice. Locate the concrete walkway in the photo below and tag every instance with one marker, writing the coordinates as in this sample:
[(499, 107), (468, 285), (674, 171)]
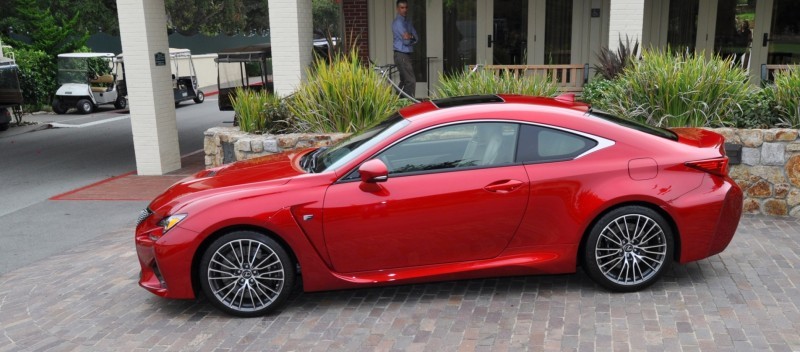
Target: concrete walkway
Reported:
[(747, 298)]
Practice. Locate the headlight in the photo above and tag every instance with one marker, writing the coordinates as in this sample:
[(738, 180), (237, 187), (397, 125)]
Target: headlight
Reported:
[(170, 221)]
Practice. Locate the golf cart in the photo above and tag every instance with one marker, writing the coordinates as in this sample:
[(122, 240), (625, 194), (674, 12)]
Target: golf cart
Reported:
[(86, 81), (10, 92), (248, 67), (184, 77)]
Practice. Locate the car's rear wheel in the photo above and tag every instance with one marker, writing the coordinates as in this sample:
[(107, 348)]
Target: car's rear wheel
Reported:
[(246, 274), (628, 249)]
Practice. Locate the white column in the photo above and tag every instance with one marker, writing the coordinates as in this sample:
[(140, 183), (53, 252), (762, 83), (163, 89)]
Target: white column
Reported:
[(291, 39), (626, 18), (143, 30)]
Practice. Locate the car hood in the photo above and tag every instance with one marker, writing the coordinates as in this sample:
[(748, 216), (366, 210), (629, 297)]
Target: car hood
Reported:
[(271, 170)]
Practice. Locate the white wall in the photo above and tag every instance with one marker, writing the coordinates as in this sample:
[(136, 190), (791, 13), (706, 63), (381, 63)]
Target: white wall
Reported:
[(291, 39), (626, 17)]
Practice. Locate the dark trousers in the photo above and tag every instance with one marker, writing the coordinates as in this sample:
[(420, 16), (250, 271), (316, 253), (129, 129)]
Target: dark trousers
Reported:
[(407, 81)]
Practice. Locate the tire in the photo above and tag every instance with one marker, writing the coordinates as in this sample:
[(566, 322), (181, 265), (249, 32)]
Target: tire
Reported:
[(85, 106), (121, 103), (200, 98), (232, 283), (628, 249), (4, 126), (58, 107)]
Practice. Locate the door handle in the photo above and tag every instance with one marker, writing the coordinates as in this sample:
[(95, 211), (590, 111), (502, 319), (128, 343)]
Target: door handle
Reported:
[(490, 41), (765, 40), (504, 186)]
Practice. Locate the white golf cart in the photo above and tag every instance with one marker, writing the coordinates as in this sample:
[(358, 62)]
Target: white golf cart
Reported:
[(86, 81), (184, 77)]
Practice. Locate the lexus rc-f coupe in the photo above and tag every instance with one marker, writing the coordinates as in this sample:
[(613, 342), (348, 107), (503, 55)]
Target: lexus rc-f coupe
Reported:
[(457, 188)]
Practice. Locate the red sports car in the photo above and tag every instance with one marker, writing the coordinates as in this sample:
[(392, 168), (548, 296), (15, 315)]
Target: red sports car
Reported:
[(467, 187)]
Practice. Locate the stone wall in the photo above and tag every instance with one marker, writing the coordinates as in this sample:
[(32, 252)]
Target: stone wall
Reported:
[(769, 173), (225, 145)]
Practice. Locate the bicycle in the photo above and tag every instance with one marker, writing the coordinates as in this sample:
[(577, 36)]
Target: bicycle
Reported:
[(390, 73)]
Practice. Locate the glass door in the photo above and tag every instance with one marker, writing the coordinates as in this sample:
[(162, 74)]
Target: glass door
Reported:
[(460, 21), (682, 25), (784, 37), (734, 30), (509, 38)]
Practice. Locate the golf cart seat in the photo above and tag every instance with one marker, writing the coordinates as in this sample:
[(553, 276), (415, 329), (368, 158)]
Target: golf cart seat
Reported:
[(102, 83)]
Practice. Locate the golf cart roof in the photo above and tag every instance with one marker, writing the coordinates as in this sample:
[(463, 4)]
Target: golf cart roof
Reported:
[(173, 52), (85, 55), (247, 53)]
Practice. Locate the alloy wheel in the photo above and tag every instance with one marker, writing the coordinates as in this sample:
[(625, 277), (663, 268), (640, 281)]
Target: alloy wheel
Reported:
[(631, 249)]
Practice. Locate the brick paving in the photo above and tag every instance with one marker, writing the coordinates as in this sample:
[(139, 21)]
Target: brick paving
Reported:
[(745, 299)]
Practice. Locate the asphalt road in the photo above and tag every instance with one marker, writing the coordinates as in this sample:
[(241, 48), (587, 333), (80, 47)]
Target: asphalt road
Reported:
[(37, 163)]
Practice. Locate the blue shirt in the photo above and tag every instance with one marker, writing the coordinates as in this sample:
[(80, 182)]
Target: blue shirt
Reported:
[(400, 26)]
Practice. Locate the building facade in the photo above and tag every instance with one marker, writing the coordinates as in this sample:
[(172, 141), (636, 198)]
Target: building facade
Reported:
[(457, 33)]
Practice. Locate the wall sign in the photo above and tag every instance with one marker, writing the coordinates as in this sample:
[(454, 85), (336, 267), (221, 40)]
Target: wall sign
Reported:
[(161, 59)]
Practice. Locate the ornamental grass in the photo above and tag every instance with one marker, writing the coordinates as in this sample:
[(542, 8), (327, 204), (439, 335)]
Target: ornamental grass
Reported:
[(258, 111), (342, 96), (787, 96), (490, 82), (673, 90)]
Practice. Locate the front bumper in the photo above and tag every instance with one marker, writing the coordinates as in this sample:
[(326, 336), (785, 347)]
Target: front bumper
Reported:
[(165, 260)]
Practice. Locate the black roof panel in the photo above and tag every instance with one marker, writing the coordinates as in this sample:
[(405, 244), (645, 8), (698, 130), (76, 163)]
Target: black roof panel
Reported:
[(467, 100)]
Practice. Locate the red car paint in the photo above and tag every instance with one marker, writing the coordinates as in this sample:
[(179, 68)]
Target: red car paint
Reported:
[(517, 219)]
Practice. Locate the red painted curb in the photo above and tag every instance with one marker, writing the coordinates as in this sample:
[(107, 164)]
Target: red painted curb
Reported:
[(62, 195)]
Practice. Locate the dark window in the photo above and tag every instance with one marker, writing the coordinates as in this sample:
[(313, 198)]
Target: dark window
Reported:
[(541, 144), (454, 147)]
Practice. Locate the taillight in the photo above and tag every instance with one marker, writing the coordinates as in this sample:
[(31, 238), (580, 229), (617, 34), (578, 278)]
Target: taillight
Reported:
[(718, 166)]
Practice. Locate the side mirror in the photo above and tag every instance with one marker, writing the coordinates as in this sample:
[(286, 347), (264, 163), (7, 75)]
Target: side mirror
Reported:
[(373, 171)]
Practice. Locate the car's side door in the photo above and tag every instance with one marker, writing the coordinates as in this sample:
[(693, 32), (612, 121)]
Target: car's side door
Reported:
[(454, 193)]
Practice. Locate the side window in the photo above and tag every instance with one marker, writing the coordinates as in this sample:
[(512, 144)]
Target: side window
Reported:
[(467, 145), (542, 144)]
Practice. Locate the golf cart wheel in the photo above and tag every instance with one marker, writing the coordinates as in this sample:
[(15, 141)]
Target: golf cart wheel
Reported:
[(200, 97), (58, 107), (85, 106), (121, 103), (246, 274)]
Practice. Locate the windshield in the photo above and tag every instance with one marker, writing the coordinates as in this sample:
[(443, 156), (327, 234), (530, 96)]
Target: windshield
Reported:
[(82, 69), (343, 152)]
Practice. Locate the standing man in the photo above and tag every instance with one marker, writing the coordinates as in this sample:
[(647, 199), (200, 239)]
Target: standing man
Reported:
[(404, 37)]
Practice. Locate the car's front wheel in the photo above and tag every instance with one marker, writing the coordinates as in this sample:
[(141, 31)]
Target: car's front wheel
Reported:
[(628, 249), (246, 274)]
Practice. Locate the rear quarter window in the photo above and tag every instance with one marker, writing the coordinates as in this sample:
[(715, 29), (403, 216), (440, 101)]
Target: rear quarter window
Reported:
[(541, 144)]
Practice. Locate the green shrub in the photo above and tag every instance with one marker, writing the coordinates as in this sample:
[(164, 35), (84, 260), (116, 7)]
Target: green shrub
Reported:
[(596, 90), (759, 110), (342, 96), (665, 89), (787, 96), (259, 111), (37, 77), (489, 82)]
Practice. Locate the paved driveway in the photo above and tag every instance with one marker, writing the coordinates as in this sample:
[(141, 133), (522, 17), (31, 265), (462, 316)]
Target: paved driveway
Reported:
[(747, 298)]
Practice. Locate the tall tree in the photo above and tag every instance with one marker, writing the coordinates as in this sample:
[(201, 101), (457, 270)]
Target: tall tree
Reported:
[(48, 32)]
